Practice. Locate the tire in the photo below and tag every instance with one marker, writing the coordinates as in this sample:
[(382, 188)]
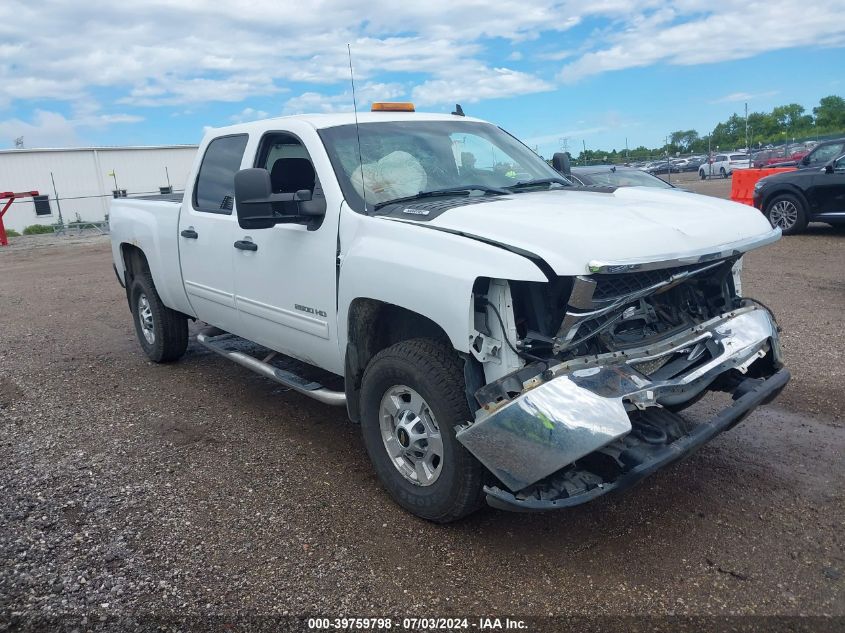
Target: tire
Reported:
[(722, 172), (168, 339), (787, 212), (702, 175), (432, 373)]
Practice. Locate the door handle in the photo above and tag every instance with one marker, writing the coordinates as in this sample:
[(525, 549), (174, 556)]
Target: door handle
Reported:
[(246, 246), (191, 234)]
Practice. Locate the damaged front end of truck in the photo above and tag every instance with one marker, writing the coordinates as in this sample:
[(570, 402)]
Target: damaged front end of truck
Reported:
[(607, 361)]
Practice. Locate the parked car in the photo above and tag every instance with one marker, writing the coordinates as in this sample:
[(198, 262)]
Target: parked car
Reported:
[(792, 199), (766, 157), (723, 165), (662, 167), (613, 176), (515, 340), (819, 156), (693, 163)]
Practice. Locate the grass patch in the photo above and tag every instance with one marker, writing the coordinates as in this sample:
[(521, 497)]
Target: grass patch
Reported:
[(38, 229)]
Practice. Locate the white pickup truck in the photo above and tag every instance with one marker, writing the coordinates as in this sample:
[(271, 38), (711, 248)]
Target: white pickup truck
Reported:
[(499, 333)]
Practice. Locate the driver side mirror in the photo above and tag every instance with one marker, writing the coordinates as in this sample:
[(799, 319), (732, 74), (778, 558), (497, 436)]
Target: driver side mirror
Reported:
[(560, 162), (828, 169), (255, 199)]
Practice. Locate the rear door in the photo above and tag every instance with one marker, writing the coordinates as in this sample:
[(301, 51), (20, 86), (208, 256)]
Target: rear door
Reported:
[(829, 189), (207, 226)]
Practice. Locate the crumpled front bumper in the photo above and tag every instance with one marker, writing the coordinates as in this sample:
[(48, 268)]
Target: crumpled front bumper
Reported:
[(584, 405), (765, 391)]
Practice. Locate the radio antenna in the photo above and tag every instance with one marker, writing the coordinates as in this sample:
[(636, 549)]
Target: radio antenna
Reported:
[(357, 132)]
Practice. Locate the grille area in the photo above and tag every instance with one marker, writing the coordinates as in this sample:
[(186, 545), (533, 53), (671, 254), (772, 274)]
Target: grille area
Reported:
[(621, 284)]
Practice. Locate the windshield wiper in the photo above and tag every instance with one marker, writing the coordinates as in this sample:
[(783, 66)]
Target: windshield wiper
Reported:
[(452, 191), (524, 184)]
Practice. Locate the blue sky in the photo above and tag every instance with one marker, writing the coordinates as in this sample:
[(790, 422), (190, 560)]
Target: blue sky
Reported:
[(596, 72)]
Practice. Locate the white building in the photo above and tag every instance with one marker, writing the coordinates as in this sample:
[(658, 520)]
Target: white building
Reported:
[(84, 179)]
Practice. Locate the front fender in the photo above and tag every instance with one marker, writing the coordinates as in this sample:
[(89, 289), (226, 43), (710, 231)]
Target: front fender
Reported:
[(428, 272)]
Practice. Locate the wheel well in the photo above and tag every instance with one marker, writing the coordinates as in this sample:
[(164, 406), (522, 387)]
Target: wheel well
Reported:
[(787, 190), (373, 326), (134, 261)]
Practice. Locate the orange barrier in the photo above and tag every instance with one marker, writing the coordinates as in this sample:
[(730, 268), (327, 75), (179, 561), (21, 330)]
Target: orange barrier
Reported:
[(743, 181)]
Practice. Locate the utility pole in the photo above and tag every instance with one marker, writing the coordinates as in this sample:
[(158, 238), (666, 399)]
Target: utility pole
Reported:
[(58, 203), (709, 155), (747, 148), (584, 143), (627, 156)]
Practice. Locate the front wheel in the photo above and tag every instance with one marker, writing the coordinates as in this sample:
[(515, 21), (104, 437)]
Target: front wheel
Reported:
[(701, 174), (787, 212), (162, 332), (412, 397), (722, 172)]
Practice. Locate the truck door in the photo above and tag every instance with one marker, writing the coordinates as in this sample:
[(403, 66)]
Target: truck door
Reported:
[(285, 284), (207, 225)]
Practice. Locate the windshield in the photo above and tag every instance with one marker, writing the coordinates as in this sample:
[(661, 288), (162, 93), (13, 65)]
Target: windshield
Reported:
[(624, 178), (403, 158)]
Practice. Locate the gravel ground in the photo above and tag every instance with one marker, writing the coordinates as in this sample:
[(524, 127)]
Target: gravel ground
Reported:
[(201, 490)]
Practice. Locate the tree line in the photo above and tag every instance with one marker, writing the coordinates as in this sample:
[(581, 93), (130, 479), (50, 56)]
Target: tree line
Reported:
[(783, 124)]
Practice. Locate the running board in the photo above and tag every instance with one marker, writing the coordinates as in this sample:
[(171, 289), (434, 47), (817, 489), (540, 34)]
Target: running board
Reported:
[(213, 339)]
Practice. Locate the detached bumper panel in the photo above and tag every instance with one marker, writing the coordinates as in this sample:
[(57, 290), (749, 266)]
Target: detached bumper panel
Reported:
[(544, 430), (577, 485)]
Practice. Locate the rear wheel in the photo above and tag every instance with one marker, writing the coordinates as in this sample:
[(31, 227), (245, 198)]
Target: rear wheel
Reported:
[(162, 332), (701, 174), (787, 212), (412, 397)]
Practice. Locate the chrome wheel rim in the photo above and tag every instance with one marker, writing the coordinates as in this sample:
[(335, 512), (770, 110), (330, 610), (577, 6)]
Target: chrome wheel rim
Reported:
[(411, 435), (145, 318), (783, 214)]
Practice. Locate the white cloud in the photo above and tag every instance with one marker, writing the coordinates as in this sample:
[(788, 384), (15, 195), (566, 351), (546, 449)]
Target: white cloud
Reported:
[(53, 129), (149, 53), (738, 97), (555, 56), (695, 32), (248, 114), (475, 83), (364, 94), (46, 129)]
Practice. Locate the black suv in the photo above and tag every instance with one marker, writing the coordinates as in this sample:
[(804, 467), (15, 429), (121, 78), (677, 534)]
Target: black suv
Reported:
[(792, 198), (820, 155)]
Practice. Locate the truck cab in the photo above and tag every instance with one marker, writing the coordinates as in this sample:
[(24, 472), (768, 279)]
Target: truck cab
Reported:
[(499, 333)]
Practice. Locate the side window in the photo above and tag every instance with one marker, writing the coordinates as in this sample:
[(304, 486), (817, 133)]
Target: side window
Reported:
[(720, 158), (288, 162), (839, 165), (214, 191), (291, 170), (826, 153)]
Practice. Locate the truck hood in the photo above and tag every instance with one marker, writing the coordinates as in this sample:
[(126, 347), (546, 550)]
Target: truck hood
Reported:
[(573, 228)]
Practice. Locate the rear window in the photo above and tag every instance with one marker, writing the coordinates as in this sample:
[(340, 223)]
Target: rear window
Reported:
[(215, 187), (739, 157)]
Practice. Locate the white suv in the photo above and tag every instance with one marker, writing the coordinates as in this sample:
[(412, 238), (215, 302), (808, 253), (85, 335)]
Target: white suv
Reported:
[(723, 165)]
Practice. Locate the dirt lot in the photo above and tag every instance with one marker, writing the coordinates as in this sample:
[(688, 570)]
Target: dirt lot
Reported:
[(198, 488)]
